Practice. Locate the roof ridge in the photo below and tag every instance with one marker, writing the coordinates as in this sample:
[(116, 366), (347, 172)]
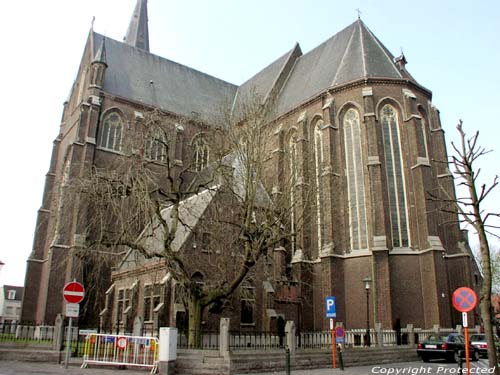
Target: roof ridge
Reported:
[(290, 55), (382, 47), (363, 54), (165, 59), (341, 64)]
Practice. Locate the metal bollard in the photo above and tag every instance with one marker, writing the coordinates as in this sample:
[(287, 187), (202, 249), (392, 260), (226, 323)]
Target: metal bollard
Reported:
[(287, 362), (341, 360)]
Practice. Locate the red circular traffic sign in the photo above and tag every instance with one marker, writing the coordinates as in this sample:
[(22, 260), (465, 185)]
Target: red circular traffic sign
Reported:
[(339, 332), (121, 342), (464, 299), (73, 292)]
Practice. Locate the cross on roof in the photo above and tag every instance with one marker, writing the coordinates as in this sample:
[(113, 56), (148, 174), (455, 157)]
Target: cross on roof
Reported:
[(359, 13)]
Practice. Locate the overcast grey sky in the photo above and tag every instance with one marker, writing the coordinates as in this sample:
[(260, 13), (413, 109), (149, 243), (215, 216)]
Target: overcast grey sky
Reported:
[(452, 48)]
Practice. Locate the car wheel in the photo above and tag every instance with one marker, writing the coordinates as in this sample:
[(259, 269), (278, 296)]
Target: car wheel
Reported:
[(474, 356), (456, 357), (425, 358)]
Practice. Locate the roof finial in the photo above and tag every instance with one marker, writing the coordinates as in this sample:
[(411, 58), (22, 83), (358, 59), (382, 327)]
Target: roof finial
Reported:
[(359, 13), (100, 56), (92, 23), (138, 33)]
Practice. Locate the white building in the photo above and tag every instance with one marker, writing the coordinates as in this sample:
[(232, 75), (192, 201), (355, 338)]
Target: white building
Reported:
[(11, 298)]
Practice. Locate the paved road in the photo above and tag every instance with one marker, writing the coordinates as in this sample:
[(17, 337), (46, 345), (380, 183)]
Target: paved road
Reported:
[(410, 368)]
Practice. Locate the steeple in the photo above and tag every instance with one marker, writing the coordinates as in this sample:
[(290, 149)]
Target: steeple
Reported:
[(138, 33)]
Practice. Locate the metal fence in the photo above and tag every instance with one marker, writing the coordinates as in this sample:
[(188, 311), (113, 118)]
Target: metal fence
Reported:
[(209, 340), (255, 340), (26, 334)]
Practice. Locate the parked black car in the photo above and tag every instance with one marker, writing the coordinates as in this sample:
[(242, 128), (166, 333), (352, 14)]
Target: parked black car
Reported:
[(449, 346)]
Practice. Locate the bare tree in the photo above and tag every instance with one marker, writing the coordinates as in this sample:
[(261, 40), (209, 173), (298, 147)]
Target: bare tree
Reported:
[(144, 202), (470, 208)]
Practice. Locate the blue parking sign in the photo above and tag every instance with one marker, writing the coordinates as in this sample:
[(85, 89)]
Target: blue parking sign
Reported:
[(331, 308)]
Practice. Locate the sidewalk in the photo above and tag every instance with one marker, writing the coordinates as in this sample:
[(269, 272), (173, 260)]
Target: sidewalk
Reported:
[(28, 368)]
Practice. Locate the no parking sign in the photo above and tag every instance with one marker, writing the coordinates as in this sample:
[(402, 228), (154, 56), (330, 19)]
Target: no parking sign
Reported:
[(121, 342)]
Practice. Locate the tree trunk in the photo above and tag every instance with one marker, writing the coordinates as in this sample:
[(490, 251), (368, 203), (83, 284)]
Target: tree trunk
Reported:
[(485, 299), (194, 323)]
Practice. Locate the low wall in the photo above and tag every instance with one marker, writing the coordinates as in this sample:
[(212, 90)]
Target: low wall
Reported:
[(238, 362)]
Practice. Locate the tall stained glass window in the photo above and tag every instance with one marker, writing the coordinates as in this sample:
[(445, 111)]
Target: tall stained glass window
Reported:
[(318, 158), (358, 225), (395, 176)]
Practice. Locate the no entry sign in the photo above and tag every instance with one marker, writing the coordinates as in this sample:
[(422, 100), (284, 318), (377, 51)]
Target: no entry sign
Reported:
[(73, 292), (464, 299)]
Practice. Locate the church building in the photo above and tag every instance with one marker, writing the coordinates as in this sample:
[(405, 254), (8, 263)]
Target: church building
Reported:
[(348, 121)]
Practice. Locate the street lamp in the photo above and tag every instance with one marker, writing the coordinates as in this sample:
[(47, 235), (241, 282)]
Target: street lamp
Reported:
[(1, 265), (367, 281)]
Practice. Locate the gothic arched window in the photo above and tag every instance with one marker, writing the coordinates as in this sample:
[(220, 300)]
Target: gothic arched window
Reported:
[(423, 135), (157, 147), (395, 176), (201, 153), (112, 130), (292, 161), (318, 158), (247, 297), (358, 225)]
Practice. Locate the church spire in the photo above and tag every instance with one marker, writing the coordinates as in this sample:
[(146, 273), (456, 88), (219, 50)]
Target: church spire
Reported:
[(137, 33)]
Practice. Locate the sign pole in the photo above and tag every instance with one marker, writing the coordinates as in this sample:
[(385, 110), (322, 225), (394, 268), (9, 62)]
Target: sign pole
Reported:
[(466, 333), (331, 313), (464, 300), (73, 293), (68, 343), (334, 346)]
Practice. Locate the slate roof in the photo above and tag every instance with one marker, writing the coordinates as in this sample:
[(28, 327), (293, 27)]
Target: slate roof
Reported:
[(262, 83), (353, 53), (19, 292), (146, 78)]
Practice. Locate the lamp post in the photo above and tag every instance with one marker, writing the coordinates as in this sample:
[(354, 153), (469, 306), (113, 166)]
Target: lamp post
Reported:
[(1, 265), (367, 283)]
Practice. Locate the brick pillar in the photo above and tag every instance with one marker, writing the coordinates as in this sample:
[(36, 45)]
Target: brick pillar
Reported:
[(378, 243), (224, 337), (330, 178), (291, 339), (303, 240)]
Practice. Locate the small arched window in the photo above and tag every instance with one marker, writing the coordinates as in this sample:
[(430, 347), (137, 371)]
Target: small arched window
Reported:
[(358, 225), (157, 147), (201, 153), (395, 176), (112, 130)]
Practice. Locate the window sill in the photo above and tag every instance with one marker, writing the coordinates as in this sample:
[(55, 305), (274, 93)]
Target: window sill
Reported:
[(100, 148), (247, 324)]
